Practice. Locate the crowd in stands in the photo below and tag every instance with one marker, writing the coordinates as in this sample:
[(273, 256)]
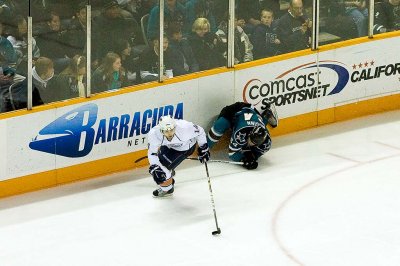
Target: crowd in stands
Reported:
[(124, 53)]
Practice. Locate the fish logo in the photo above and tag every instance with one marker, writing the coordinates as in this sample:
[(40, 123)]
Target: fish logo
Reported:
[(70, 135)]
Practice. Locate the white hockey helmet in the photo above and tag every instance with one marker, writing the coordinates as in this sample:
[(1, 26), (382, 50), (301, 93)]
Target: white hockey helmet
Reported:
[(166, 123)]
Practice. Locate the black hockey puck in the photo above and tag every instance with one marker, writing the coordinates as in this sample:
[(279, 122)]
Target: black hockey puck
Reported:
[(216, 232)]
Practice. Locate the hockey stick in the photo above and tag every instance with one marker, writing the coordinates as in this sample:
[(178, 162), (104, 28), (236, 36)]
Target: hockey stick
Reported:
[(217, 161), (218, 231)]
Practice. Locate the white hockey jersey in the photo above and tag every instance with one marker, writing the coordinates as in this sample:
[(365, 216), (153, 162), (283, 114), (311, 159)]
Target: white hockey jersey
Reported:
[(186, 135)]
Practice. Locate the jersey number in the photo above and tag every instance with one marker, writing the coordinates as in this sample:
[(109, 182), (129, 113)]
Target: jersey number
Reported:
[(247, 116)]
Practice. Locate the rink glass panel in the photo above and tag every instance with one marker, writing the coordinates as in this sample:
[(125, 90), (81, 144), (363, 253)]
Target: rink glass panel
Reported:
[(14, 30), (59, 33), (335, 24), (341, 20)]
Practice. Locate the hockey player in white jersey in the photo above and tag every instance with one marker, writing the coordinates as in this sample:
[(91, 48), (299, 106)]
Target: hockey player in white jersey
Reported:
[(171, 142)]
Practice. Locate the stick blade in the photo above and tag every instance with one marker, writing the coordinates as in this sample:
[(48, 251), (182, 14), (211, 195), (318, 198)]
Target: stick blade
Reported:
[(216, 232)]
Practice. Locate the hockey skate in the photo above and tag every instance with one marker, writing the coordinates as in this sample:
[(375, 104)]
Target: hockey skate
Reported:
[(159, 193), (271, 115)]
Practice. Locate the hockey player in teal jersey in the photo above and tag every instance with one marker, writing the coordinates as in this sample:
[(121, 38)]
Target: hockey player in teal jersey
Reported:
[(250, 137)]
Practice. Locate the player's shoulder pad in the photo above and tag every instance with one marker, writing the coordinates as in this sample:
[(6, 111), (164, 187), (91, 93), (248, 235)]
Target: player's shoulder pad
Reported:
[(180, 123), (155, 132), (186, 126)]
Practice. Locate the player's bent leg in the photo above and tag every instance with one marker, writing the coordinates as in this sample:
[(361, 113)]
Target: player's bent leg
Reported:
[(217, 131), (171, 158), (166, 188)]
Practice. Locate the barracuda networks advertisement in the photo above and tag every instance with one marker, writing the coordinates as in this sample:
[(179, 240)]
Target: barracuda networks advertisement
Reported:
[(79, 131)]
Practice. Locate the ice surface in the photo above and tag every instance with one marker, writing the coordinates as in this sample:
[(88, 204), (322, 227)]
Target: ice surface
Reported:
[(321, 197)]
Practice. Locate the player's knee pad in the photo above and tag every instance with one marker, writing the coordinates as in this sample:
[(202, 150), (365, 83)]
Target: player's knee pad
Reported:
[(158, 174)]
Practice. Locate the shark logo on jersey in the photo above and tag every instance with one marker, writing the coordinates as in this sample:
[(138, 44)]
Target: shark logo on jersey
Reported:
[(70, 135), (240, 137)]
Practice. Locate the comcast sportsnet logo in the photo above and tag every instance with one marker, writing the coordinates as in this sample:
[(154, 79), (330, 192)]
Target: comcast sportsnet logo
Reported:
[(76, 133), (298, 84)]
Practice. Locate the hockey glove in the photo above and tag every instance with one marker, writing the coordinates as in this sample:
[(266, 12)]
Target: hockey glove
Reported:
[(157, 173), (249, 161), (203, 153)]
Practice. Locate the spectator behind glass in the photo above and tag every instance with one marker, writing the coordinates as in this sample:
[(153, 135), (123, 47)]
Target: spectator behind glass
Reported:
[(337, 22), (52, 41), (124, 50), (8, 57), (174, 12), (19, 40), (76, 32), (108, 28), (200, 9), (39, 8), (294, 28), (358, 11), (42, 73), (149, 62), (70, 82), (243, 47), (249, 10), (6, 10), (181, 45), (16, 98), (264, 38), (274, 6), (206, 46), (138, 8), (110, 75), (387, 16)]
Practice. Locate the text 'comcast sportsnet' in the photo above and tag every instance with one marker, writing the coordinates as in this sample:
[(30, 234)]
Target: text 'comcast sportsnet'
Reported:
[(310, 81), (298, 84)]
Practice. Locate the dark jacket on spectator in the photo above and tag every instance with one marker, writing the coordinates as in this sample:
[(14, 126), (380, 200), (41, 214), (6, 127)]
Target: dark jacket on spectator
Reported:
[(248, 9), (148, 63), (46, 93), (107, 31), (76, 38), (176, 16), (65, 85), (290, 34), (199, 9), (17, 97), (53, 44), (207, 54), (183, 47), (387, 16), (8, 55), (263, 39)]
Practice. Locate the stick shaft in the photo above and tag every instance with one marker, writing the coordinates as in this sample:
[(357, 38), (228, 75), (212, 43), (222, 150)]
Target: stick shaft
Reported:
[(211, 196), (217, 161)]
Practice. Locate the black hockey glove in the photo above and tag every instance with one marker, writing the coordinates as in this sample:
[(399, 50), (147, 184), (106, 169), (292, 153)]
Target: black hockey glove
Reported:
[(157, 173), (249, 161), (203, 153)]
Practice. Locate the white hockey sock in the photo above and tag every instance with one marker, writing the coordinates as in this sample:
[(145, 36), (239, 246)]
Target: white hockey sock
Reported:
[(166, 188)]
